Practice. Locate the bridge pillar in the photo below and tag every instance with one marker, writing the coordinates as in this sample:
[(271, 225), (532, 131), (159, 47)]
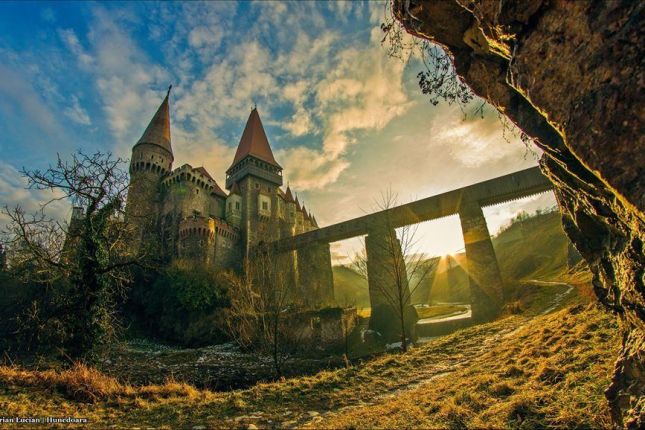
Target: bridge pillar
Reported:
[(315, 277), (388, 285), (483, 271)]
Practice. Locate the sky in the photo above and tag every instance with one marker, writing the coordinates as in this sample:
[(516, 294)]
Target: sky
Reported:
[(345, 120)]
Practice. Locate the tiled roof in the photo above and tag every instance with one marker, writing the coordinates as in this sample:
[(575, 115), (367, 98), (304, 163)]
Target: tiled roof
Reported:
[(254, 142), (158, 131)]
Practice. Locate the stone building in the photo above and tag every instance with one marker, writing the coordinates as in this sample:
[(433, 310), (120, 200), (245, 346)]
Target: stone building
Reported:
[(182, 213)]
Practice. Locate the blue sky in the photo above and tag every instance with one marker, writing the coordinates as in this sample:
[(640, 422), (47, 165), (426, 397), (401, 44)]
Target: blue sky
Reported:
[(344, 119)]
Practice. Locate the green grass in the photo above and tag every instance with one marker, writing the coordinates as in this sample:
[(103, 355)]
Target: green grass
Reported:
[(438, 310), (535, 248), (350, 289)]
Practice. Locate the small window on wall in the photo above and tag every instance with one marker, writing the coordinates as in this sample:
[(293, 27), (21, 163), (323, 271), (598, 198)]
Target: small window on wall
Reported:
[(265, 206), (237, 205), (257, 186)]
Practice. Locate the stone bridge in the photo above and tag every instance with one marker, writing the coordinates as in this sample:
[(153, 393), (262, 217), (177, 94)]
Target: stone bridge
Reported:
[(467, 202)]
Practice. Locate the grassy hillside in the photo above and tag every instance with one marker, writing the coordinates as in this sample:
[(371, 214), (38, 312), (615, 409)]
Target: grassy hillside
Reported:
[(522, 371), (350, 288), (532, 248)]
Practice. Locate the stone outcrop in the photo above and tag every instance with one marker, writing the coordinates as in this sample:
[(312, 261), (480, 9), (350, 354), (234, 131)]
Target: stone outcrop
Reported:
[(570, 75)]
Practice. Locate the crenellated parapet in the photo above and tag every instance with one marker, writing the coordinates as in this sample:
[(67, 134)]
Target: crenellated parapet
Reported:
[(198, 176), (197, 226)]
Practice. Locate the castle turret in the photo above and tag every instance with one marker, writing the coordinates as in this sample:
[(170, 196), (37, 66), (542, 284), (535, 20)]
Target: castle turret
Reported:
[(299, 218), (254, 156), (73, 235), (306, 221), (290, 205), (152, 158), (258, 176), (234, 206)]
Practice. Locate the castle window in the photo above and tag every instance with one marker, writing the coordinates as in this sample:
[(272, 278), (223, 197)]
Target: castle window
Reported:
[(265, 206), (237, 205), (257, 186), (196, 191)]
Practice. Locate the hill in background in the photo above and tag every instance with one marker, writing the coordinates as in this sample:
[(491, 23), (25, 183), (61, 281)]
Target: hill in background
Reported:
[(530, 247)]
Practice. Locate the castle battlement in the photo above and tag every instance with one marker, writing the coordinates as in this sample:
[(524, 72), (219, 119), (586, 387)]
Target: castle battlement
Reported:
[(196, 175), (201, 226)]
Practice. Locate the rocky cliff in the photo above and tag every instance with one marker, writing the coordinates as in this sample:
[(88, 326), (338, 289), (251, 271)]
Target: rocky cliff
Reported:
[(570, 75)]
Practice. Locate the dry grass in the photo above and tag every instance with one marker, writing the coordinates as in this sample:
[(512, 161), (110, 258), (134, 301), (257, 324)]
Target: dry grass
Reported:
[(519, 372), (85, 384), (550, 374)]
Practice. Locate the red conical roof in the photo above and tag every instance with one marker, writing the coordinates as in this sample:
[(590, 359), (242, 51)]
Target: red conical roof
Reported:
[(254, 142), (158, 131)]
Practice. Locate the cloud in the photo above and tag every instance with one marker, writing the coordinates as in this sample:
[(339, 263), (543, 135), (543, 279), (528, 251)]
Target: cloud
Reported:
[(477, 141), (20, 99), (71, 42), (363, 91), (309, 169), (202, 36), (76, 113), (127, 80), (13, 192)]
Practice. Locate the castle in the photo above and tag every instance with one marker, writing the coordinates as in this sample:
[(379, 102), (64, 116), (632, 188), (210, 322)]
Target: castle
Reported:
[(182, 213)]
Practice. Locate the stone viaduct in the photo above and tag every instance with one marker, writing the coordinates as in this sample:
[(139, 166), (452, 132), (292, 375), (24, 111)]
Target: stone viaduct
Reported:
[(467, 202)]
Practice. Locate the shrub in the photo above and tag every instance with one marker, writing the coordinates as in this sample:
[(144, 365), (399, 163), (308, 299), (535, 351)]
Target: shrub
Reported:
[(184, 304), (34, 317)]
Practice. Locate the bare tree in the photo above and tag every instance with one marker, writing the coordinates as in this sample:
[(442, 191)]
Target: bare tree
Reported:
[(263, 315), (392, 264), (91, 253)]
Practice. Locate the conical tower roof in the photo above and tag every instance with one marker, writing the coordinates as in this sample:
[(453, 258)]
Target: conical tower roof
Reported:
[(254, 142), (289, 196), (235, 189), (158, 131), (298, 208)]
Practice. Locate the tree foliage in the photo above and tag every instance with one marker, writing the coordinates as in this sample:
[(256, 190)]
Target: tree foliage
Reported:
[(90, 255), (185, 304)]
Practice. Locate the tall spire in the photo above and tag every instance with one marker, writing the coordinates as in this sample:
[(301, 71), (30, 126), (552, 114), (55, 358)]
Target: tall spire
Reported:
[(254, 142), (289, 196), (158, 131)]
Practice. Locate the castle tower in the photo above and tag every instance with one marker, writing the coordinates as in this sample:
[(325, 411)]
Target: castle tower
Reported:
[(152, 158), (258, 175), (234, 206), (73, 236)]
